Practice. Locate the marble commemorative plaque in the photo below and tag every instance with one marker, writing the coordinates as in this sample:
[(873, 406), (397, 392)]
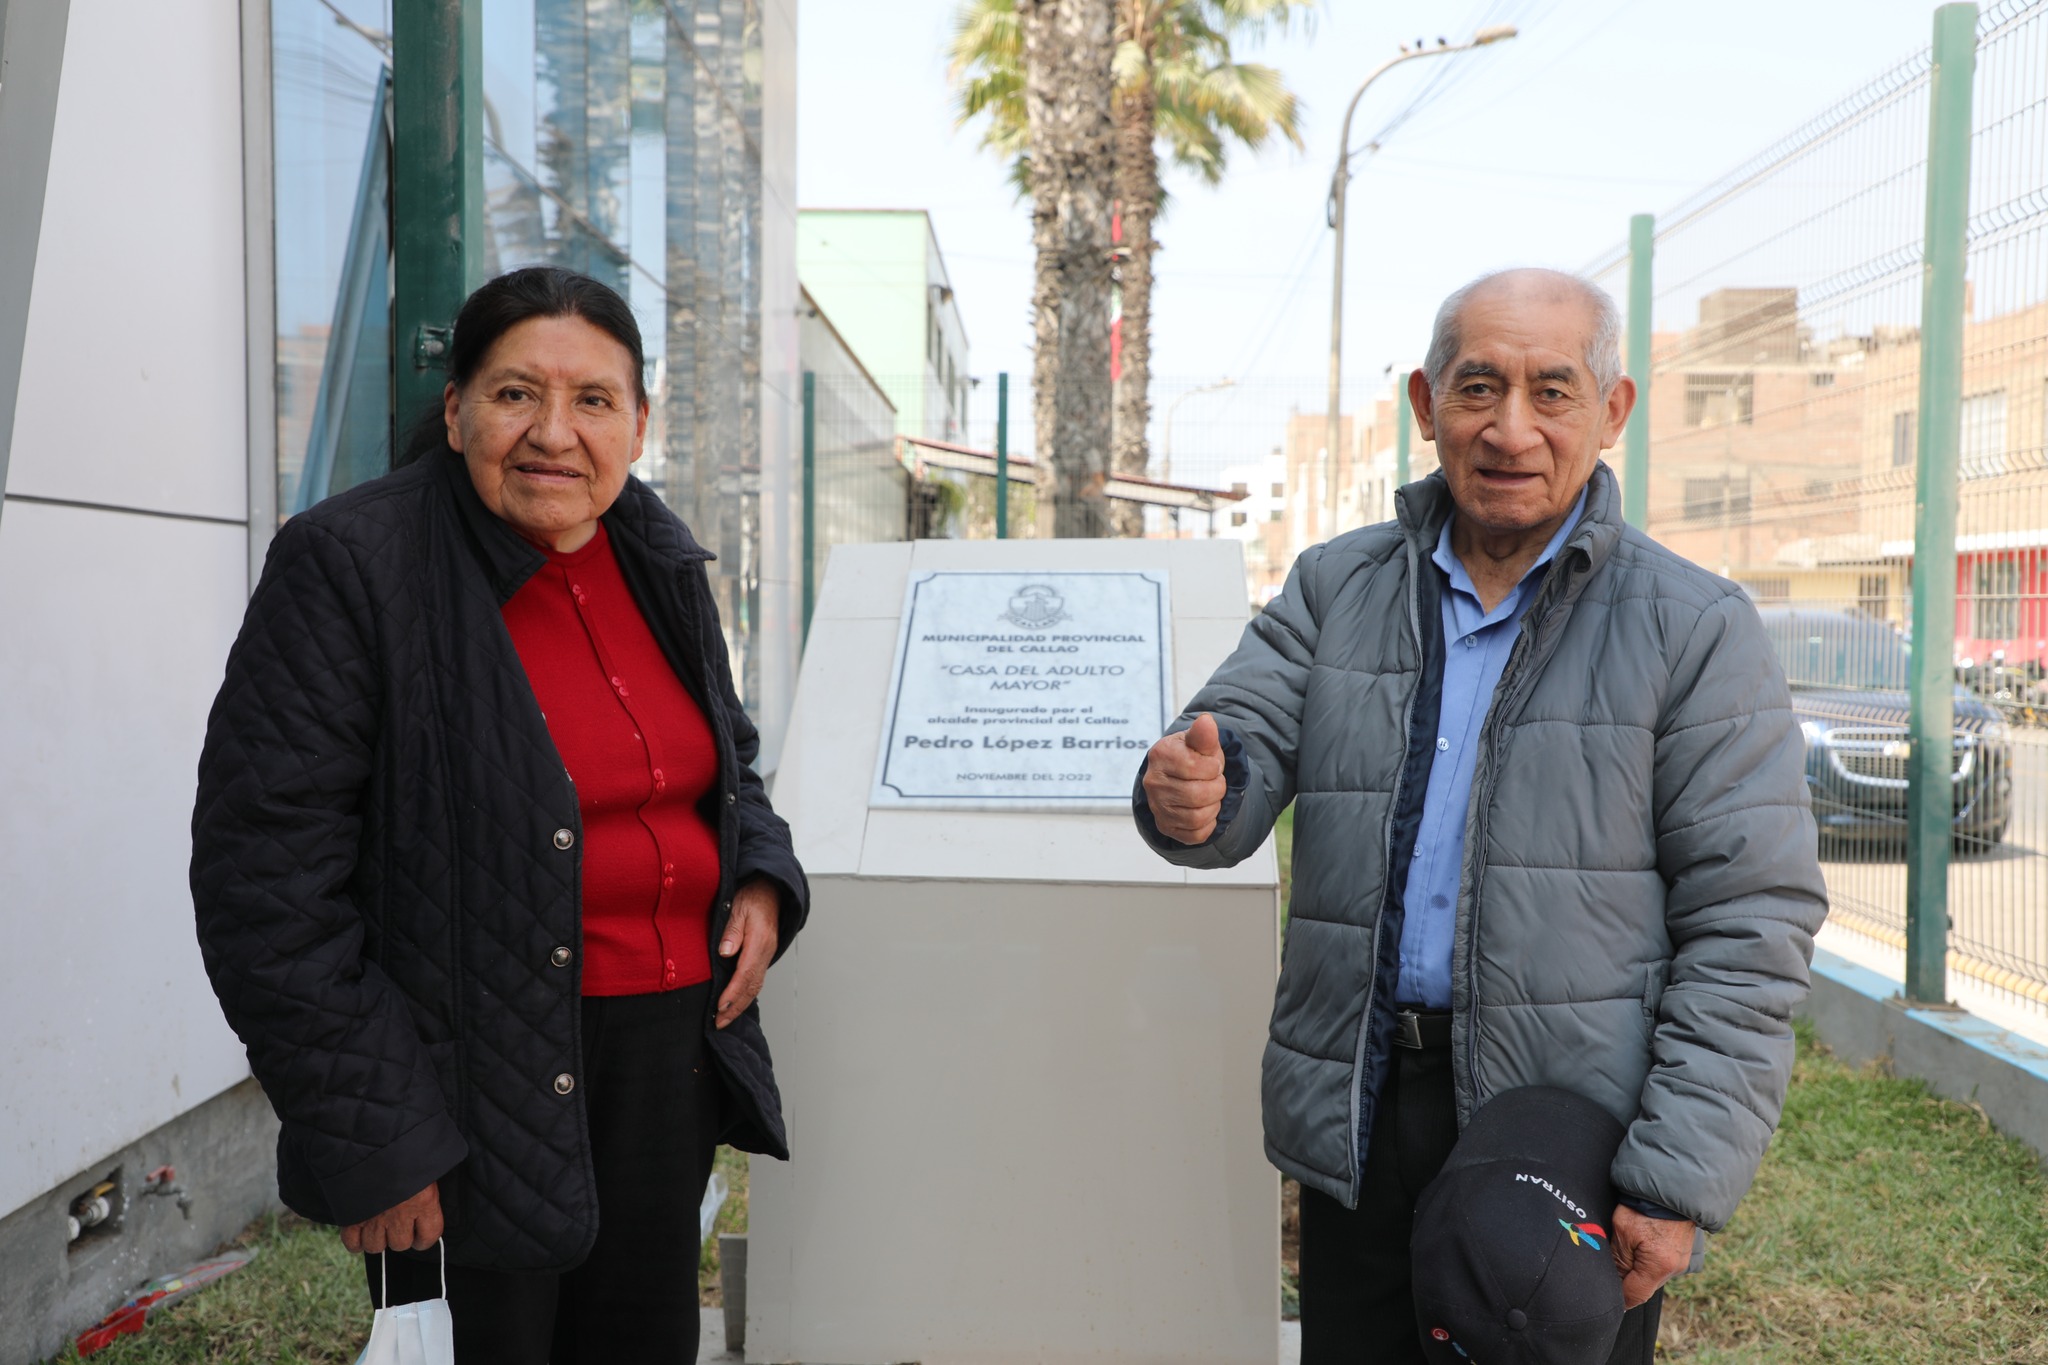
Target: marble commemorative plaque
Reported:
[(1015, 690)]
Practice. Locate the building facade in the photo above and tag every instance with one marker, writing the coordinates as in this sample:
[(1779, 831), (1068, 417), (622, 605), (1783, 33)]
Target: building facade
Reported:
[(1790, 466), (879, 274)]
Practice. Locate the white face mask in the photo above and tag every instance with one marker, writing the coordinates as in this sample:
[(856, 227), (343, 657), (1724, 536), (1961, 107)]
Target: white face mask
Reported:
[(411, 1333)]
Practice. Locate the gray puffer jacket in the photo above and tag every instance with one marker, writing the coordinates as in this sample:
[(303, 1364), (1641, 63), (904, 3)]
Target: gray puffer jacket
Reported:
[(1640, 885)]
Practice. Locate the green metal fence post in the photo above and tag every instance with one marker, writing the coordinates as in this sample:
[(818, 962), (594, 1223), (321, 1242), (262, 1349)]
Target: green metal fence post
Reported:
[(1003, 456), (1930, 787), (437, 192), (1404, 418), (810, 497), (1635, 473)]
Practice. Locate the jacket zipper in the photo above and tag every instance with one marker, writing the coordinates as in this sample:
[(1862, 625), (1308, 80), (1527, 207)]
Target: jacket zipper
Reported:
[(1372, 980), (1490, 733)]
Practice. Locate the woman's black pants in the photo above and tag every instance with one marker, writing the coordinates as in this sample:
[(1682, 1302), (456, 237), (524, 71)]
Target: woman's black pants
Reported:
[(1357, 1295), (653, 1099)]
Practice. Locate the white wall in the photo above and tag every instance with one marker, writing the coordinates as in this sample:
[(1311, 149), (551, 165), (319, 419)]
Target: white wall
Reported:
[(114, 624)]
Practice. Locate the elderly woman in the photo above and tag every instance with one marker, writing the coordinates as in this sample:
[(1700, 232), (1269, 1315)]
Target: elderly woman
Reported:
[(485, 879)]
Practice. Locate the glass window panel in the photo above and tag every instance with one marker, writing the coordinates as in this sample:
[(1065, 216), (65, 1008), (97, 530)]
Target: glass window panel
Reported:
[(622, 139), (328, 63), (509, 118), (1983, 436), (349, 439)]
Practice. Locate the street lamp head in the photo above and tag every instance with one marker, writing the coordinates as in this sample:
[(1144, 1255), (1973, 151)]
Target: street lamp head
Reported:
[(1494, 33)]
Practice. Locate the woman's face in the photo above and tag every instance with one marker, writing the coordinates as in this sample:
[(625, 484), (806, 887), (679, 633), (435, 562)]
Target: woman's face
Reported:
[(548, 426)]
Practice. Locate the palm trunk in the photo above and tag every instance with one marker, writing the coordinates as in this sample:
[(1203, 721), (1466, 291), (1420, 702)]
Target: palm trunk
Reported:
[(1068, 46), (1137, 192)]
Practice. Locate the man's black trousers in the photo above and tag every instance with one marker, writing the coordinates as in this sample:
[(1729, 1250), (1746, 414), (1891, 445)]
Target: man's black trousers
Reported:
[(653, 1098), (1357, 1299)]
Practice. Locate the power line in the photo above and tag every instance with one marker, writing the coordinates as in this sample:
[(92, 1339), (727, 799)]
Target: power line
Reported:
[(1310, 253)]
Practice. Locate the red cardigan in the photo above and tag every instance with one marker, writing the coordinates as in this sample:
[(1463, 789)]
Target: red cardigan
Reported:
[(642, 757)]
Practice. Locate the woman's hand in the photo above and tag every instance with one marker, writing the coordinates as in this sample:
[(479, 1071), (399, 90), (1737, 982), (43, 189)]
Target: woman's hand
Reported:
[(752, 931), (414, 1225)]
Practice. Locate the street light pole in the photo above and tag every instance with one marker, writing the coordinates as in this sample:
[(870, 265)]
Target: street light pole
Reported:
[(1493, 33)]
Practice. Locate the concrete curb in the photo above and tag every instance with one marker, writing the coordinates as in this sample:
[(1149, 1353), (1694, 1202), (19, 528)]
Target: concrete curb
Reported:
[(1858, 1013)]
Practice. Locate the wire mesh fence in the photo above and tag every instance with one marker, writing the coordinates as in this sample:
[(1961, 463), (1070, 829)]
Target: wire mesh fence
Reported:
[(1785, 433)]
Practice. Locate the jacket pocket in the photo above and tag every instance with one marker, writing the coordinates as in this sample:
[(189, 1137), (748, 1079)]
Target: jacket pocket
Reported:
[(1654, 976)]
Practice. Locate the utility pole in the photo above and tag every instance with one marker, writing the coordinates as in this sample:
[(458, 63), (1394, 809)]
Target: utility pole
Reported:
[(1334, 213)]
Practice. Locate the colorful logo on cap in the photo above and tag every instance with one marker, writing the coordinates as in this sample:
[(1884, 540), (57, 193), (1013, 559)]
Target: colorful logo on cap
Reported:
[(1439, 1334), (1585, 1234)]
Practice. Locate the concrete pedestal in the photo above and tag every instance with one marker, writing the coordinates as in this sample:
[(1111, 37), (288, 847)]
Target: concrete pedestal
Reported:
[(1018, 1052)]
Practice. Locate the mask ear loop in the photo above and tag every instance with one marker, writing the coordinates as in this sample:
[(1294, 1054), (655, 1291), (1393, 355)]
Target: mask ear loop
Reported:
[(444, 1265), (383, 1280)]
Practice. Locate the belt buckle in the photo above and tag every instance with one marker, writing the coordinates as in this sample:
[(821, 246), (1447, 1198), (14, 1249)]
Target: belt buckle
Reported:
[(1407, 1029)]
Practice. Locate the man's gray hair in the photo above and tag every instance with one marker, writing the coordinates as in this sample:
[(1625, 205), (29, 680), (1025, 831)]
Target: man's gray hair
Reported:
[(1603, 347)]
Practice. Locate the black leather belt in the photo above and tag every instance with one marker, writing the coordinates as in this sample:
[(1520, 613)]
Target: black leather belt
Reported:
[(1421, 1029)]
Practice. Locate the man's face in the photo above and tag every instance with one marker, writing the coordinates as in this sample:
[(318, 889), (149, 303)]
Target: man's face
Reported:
[(1520, 421)]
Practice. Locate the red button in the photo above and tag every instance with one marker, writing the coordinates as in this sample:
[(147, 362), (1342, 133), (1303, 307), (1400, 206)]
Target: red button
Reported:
[(668, 881), (668, 867), (657, 776)]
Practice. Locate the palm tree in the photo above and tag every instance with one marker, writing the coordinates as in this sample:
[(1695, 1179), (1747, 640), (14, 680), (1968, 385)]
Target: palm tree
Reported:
[(1063, 51), (1174, 80)]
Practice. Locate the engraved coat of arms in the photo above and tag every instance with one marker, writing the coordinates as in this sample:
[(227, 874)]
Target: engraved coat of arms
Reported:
[(1036, 606)]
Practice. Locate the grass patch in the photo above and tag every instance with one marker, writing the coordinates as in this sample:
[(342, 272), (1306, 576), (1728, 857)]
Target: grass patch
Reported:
[(1283, 846), (302, 1301), (1885, 1226), (732, 1218)]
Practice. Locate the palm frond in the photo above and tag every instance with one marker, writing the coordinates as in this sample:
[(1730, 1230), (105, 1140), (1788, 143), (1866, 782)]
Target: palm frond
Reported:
[(1251, 101), (986, 34), (987, 72), (1255, 17), (1194, 142), (1127, 67)]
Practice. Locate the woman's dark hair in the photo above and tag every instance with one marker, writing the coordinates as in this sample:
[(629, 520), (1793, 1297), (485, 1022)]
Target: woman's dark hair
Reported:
[(537, 291)]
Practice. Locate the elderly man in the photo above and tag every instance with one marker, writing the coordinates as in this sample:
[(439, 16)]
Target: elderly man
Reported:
[(1551, 826)]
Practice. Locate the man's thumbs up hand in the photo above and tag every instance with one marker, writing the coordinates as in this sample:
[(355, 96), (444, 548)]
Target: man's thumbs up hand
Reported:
[(1184, 782)]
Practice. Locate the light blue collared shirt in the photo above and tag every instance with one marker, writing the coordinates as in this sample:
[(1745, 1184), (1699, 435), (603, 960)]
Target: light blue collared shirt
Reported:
[(1477, 643)]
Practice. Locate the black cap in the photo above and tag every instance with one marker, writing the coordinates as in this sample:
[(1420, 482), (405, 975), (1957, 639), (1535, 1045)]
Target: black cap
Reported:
[(1510, 1252)]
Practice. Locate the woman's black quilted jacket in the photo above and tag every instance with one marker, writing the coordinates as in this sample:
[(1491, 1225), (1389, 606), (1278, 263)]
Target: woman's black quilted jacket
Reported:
[(385, 860)]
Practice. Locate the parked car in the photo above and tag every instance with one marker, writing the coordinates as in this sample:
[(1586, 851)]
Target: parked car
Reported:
[(1849, 677)]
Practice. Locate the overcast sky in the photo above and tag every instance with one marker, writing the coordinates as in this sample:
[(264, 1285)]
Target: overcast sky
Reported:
[(1534, 151)]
